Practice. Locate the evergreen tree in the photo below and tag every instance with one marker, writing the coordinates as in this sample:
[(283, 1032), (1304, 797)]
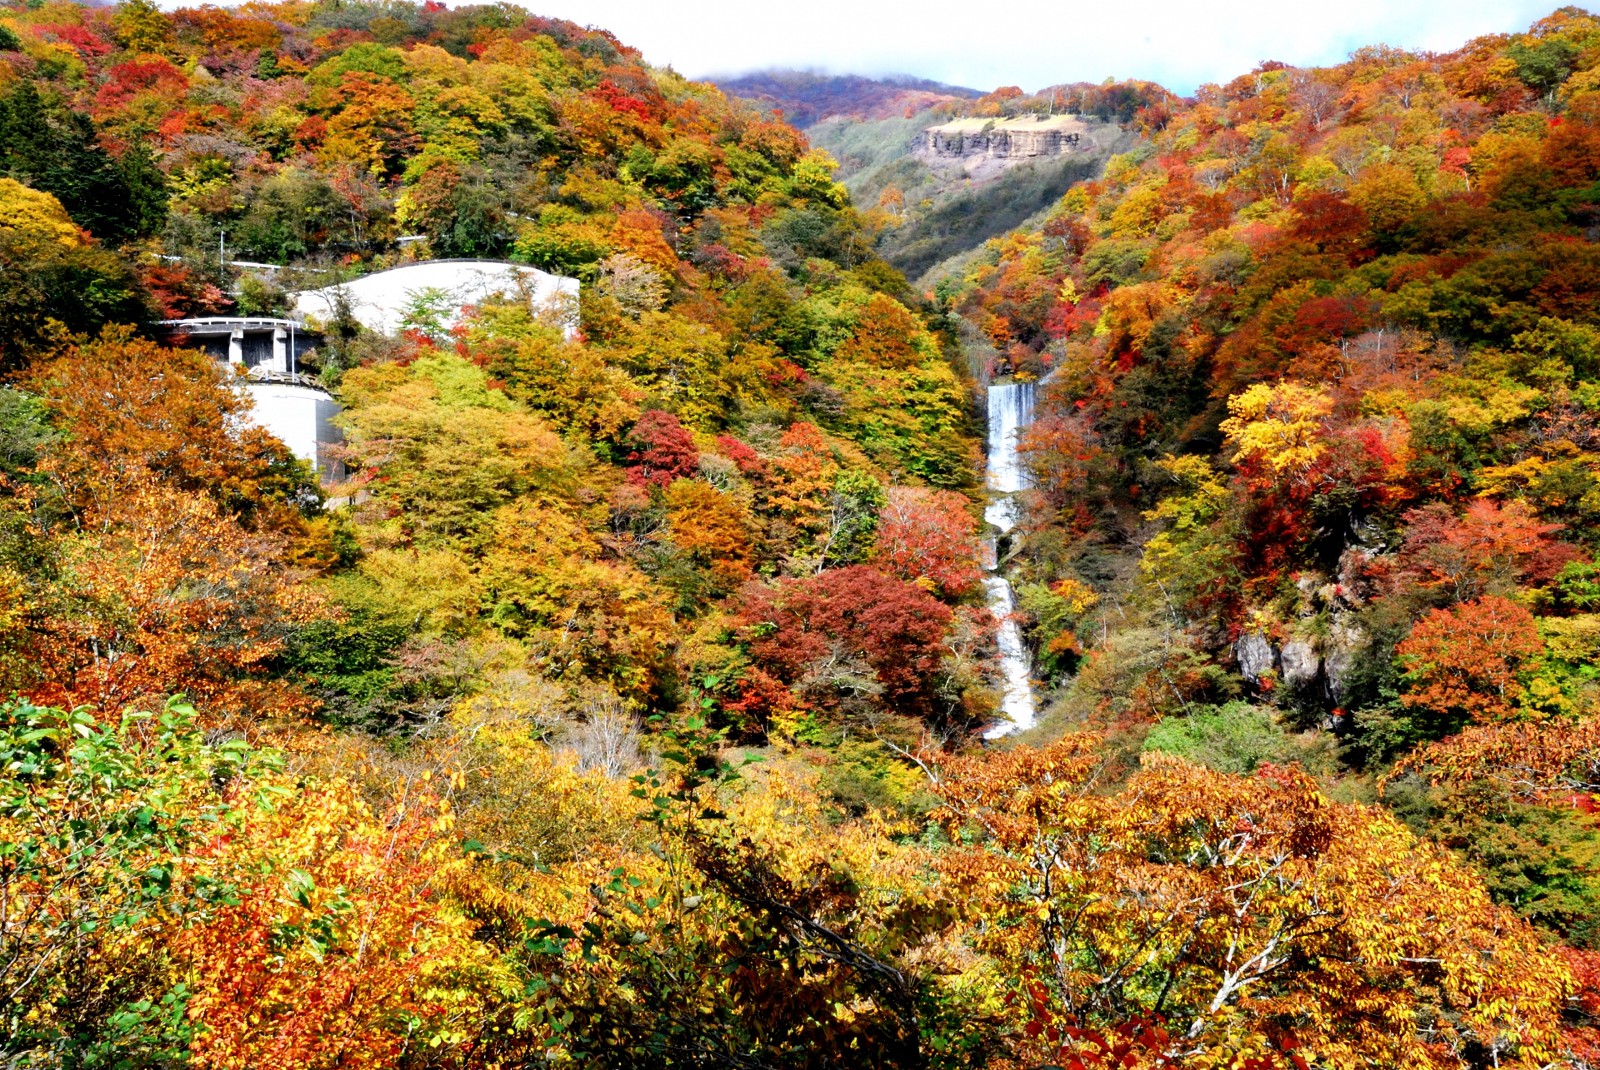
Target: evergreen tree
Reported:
[(56, 150)]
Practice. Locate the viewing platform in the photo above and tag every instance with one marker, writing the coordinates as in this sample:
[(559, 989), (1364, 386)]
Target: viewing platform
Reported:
[(271, 352)]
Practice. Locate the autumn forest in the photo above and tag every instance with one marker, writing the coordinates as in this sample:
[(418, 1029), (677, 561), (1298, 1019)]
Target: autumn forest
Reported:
[(639, 686)]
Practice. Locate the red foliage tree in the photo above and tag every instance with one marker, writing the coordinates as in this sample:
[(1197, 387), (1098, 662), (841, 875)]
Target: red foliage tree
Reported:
[(748, 460), (1066, 458), (1333, 225), (662, 450), (127, 80), (1068, 234), (927, 537), (1490, 548), (809, 631), (1582, 1034), (179, 293)]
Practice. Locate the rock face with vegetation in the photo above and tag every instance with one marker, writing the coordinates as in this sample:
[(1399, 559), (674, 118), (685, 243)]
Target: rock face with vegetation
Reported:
[(629, 710), (945, 180), (1008, 139)]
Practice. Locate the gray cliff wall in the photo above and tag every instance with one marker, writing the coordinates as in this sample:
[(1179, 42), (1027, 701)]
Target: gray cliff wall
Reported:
[(1007, 140)]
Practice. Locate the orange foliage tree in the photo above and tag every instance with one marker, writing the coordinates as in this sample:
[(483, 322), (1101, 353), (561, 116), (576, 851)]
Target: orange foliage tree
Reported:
[(175, 537), (712, 528), (161, 592), (176, 900), (1535, 762), (1260, 922), (134, 410), (1461, 663), (336, 952), (885, 335)]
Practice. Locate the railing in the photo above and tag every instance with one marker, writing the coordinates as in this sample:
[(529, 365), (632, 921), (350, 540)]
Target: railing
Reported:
[(271, 375), (217, 324)]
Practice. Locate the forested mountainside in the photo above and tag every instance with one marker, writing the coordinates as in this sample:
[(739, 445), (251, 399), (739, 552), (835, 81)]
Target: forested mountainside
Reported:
[(930, 212), (804, 98), (1315, 456), (624, 708), (1317, 356)]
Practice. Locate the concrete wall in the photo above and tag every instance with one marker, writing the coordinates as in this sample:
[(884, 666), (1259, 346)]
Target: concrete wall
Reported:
[(379, 301), (302, 418)]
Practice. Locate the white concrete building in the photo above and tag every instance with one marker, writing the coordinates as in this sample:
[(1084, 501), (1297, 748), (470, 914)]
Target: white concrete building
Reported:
[(301, 416), (269, 351), (287, 402)]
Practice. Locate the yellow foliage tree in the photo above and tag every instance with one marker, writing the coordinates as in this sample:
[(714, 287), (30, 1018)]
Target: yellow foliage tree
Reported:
[(35, 214), (1224, 905), (1279, 425)]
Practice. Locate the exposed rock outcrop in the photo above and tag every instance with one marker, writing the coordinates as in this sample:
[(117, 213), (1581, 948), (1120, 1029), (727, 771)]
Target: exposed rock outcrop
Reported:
[(1255, 656), (1007, 139), (1299, 664), (1317, 658), (1317, 649), (1340, 652)]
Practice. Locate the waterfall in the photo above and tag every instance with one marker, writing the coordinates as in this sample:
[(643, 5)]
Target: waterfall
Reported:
[(1010, 413)]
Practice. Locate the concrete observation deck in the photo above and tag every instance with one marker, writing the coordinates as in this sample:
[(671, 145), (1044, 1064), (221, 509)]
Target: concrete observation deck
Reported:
[(269, 353)]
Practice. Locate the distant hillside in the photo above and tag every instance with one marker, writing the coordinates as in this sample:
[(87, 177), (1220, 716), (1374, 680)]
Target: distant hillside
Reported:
[(936, 208), (808, 97)]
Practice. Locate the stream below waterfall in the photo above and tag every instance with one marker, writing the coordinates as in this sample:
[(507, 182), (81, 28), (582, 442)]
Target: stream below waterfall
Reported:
[(1010, 413)]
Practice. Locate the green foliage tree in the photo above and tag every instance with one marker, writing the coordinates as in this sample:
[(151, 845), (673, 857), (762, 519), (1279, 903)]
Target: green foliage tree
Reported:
[(97, 820)]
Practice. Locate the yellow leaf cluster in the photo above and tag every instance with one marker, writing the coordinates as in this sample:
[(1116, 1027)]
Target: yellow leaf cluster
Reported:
[(1278, 424), (36, 214)]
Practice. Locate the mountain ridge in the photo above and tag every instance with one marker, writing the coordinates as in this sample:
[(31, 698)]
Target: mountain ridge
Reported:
[(806, 97)]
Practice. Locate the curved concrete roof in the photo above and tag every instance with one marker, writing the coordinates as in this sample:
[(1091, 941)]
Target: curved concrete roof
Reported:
[(379, 301)]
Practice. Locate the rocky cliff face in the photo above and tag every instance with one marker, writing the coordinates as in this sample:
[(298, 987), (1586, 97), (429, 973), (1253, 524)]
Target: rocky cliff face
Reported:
[(1002, 143), (1317, 650), (1011, 139)]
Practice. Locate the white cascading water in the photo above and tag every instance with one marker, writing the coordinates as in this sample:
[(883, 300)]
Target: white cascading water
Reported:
[(1010, 413)]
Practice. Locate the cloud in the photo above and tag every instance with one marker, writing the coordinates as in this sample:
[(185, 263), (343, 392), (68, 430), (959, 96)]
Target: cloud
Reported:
[(1034, 43)]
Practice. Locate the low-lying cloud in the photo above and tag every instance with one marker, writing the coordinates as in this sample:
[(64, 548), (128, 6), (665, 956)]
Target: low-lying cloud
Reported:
[(1034, 43)]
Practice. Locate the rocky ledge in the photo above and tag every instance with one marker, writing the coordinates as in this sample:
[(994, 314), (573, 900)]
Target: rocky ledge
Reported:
[(1010, 139)]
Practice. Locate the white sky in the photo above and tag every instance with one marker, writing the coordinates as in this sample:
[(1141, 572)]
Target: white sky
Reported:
[(1034, 43)]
